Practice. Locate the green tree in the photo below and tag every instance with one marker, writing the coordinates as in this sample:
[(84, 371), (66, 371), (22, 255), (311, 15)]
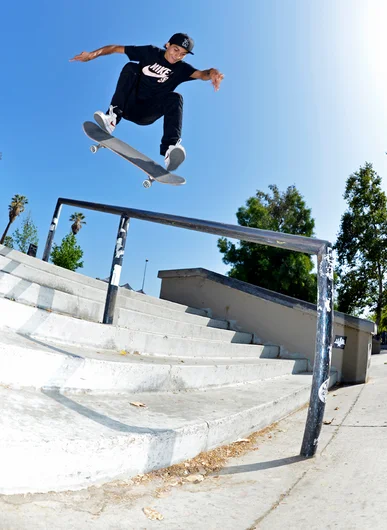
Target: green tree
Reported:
[(280, 270), (68, 254), (28, 234), (15, 208), (361, 246), (383, 320), (8, 241), (78, 219)]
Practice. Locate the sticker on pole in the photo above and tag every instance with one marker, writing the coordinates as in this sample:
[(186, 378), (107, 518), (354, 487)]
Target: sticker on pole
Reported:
[(323, 391), (340, 341), (116, 275)]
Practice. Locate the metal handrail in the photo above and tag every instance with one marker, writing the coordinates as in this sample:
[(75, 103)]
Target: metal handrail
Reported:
[(253, 235), (321, 248)]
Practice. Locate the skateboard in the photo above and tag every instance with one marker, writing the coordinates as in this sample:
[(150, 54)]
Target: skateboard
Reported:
[(154, 171)]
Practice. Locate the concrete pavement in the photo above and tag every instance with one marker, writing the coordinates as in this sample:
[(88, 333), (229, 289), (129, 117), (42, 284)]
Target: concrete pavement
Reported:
[(269, 487)]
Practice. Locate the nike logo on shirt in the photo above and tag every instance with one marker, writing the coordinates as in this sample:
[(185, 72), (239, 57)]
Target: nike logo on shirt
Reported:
[(155, 70)]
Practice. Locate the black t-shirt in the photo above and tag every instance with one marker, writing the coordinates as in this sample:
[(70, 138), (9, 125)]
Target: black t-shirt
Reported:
[(158, 76)]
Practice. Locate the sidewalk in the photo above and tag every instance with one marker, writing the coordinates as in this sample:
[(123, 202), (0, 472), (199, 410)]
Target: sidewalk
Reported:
[(270, 487)]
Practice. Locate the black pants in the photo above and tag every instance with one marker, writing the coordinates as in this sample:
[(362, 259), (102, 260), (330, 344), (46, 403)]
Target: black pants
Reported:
[(144, 112)]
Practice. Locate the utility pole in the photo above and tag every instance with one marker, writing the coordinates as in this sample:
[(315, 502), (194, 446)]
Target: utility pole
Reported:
[(143, 280)]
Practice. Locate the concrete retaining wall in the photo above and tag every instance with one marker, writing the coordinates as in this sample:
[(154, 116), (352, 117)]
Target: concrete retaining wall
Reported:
[(273, 317)]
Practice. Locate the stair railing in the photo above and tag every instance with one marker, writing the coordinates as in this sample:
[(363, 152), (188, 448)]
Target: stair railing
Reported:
[(321, 248)]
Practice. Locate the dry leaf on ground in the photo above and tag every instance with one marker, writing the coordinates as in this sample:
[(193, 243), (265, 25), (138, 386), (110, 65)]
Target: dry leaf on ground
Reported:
[(152, 514), (137, 404), (163, 492), (194, 478)]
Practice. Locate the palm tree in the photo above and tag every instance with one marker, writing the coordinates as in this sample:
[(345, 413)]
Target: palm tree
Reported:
[(78, 220), (16, 207)]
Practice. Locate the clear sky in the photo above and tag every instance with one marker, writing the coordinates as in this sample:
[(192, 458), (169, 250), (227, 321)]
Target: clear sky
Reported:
[(303, 102)]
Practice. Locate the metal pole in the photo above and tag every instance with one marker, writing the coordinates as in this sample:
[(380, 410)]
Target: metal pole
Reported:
[(143, 280), (51, 233), (322, 361), (115, 272)]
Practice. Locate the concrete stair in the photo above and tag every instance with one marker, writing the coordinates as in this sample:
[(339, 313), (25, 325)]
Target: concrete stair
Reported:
[(67, 381), (26, 361), (55, 441)]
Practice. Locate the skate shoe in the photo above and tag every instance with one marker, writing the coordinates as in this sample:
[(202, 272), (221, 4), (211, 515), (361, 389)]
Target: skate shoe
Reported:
[(106, 121), (174, 156)]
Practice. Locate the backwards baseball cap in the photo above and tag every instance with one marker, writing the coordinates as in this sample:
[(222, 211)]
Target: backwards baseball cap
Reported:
[(182, 39)]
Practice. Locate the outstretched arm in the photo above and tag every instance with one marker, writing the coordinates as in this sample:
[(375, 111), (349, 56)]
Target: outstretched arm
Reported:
[(212, 74), (105, 50)]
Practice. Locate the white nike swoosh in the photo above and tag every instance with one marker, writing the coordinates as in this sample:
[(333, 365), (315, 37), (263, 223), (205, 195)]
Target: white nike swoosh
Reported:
[(148, 72)]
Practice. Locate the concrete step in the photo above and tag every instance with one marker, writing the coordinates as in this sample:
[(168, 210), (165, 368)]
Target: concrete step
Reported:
[(176, 322), (49, 275), (48, 326), (50, 441), (25, 362), (151, 306)]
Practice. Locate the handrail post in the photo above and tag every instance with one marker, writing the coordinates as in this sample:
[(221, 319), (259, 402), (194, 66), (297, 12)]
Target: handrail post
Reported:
[(323, 354), (115, 273), (51, 233)]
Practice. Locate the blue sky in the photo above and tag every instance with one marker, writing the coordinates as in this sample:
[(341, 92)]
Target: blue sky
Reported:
[(303, 102)]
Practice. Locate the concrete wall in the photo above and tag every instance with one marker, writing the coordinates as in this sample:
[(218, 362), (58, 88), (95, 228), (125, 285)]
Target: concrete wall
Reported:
[(273, 317)]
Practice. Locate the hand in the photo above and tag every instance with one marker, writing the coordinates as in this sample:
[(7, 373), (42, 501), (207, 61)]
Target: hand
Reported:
[(216, 78), (82, 57)]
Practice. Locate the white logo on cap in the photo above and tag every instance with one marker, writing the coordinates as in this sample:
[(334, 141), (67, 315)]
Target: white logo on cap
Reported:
[(185, 43)]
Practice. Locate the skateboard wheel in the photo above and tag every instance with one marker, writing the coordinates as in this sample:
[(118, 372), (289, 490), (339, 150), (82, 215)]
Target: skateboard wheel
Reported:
[(94, 148), (147, 183)]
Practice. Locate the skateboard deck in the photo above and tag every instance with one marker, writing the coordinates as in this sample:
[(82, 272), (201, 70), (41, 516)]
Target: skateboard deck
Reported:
[(154, 171)]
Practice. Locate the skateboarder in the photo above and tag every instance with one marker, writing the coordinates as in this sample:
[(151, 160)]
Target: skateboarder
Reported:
[(145, 90)]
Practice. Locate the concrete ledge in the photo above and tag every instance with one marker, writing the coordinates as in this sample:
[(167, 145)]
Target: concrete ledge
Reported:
[(272, 317)]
